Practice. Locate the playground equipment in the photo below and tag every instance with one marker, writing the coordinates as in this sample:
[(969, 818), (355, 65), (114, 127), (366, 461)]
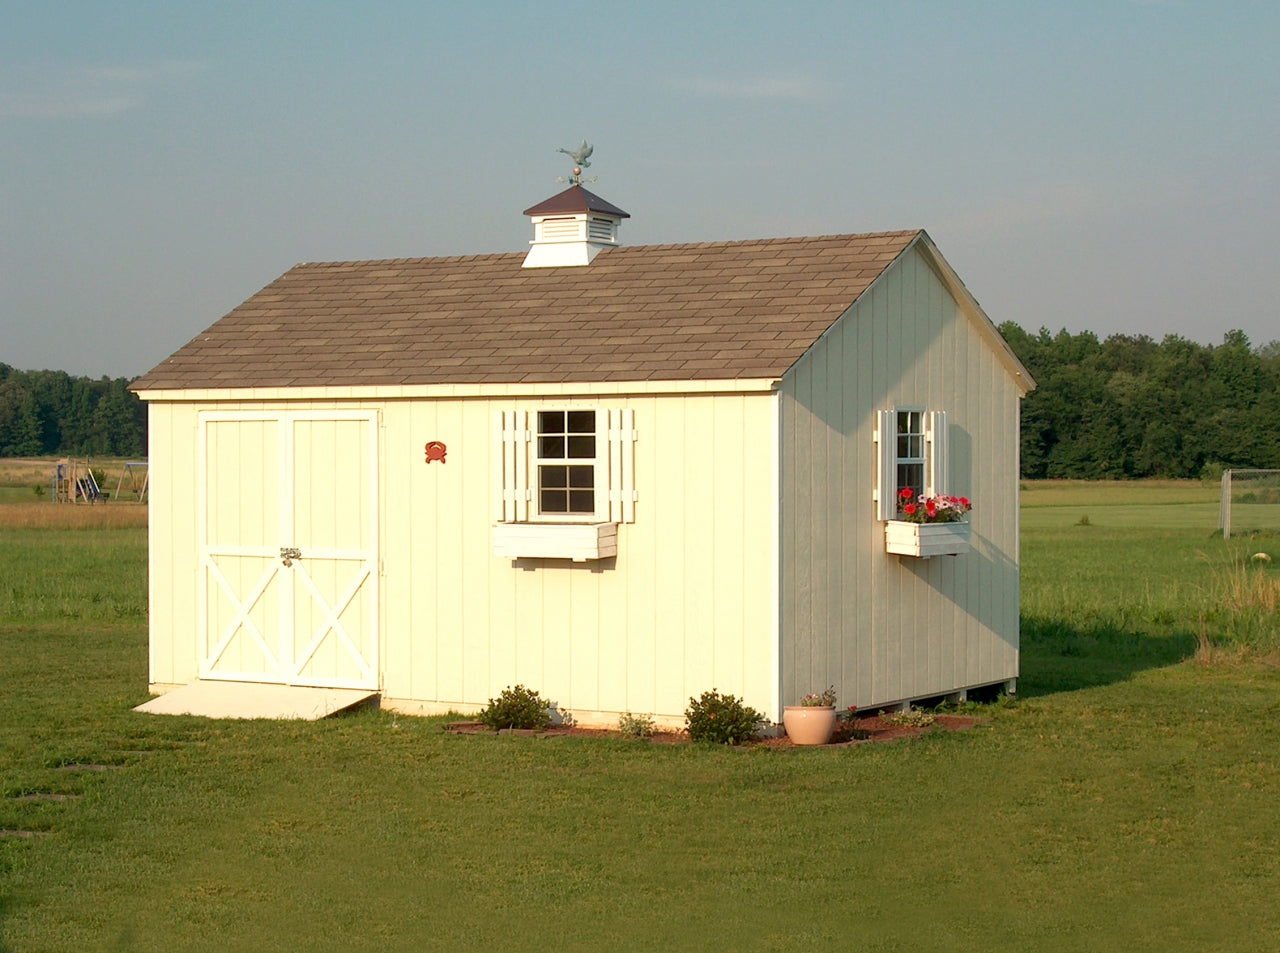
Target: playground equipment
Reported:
[(74, 482), (135, 477)]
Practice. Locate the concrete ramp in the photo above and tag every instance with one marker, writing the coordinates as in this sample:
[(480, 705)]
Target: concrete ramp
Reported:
[(255, 700)]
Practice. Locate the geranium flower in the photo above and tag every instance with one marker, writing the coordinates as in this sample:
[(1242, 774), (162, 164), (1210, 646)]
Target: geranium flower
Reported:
[(905, 493), (932, 509)]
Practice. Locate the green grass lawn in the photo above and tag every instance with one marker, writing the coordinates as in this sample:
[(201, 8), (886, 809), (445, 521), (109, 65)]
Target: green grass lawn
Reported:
[(1128, 800), (22, 494)]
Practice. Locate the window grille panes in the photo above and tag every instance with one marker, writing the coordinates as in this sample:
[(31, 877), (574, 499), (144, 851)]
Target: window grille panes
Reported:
[(910, 451), (566, 435)]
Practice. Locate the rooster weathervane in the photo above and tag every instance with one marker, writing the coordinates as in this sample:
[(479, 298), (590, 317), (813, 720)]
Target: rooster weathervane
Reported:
[(581, 160)]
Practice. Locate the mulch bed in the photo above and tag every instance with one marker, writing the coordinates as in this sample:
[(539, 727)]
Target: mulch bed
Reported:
[(862, 730)]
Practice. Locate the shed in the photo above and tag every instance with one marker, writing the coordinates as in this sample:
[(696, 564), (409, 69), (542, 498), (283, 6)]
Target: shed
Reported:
[(620, 476)]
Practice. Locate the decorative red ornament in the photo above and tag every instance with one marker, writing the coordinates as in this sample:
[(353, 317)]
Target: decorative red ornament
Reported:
[(436, 451)]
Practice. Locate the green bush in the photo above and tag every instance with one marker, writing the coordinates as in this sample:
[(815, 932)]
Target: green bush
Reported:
[(517, 707), (721, 719), (911, 718), (635, 726)]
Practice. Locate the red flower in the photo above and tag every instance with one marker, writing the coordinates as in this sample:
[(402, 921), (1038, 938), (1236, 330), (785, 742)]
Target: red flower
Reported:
[(931, 508), (964, 501), (909, 509), (905, 493)]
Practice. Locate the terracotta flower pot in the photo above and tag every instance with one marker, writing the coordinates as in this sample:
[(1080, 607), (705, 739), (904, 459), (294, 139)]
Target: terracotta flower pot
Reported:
[(809, 725)]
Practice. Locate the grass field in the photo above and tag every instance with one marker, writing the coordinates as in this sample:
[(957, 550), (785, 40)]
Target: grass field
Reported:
[(1128, 800)]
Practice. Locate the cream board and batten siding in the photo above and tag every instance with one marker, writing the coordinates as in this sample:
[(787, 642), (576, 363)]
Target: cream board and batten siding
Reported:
[(884, 628), (687, 605)]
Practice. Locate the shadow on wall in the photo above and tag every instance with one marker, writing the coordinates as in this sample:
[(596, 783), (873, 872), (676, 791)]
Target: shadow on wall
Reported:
[(1060, 655)]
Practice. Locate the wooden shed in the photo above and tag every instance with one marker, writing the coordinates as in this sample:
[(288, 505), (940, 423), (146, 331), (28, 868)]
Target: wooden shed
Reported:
[(621, 476)]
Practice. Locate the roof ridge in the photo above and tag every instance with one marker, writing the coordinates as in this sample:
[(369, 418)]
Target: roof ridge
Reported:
[(739, 242)]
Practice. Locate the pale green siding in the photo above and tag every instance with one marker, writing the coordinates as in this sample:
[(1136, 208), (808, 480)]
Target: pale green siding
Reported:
[(885, 628)]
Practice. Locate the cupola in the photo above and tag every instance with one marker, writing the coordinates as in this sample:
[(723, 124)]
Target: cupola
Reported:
[(571, 228)]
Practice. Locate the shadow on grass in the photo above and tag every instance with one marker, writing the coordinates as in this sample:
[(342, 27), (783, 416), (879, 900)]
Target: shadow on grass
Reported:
[(1063, 655)]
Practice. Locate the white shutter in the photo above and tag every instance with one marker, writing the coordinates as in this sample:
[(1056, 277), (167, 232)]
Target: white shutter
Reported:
[(521, 485), (511, 466), (629, 466), (886, 466), (937, 475), (619, 460), (604, 468), (499, 466)]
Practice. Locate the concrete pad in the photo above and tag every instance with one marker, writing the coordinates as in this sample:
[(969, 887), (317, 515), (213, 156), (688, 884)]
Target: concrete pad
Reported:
[(255, 700)]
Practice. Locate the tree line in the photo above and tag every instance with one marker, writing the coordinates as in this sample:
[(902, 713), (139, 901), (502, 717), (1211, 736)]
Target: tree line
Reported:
[(1121, 408), (1130, 407), (46, 413)]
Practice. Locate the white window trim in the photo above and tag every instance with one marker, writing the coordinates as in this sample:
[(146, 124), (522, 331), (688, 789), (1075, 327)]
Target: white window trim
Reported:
[(900, 461), (599, 464)]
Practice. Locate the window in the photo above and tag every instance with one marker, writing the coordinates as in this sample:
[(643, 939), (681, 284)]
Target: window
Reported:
[(564, 465), (911, 453), (566, 462), (563, 481)]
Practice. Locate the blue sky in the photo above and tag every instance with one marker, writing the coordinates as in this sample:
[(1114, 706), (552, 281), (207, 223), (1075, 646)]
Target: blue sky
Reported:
[(1110, 166)]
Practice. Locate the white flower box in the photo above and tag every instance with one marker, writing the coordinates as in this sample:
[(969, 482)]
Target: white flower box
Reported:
[(577, 541), (926, 539)]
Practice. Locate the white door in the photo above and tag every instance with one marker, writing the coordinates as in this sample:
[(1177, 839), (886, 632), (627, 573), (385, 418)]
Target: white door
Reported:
[(288, 533)]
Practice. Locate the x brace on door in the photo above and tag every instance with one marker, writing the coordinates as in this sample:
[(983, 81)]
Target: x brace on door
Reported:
[(332, 622), (242, 617)]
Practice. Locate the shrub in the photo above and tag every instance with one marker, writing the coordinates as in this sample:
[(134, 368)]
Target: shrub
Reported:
[(517, 707), (721, 719), (635, 726), (911, 718), (1211, 473)]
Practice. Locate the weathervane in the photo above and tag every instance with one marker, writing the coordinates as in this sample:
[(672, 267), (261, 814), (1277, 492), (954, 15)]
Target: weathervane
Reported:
[(580, 157)]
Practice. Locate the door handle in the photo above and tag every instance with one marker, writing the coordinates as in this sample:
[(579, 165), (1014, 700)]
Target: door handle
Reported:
[(289, 554)]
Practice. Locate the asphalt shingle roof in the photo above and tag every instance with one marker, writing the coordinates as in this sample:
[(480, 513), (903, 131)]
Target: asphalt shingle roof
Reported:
[(713, 311)]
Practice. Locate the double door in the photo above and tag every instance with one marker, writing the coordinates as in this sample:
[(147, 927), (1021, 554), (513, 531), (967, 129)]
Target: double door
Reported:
[(288, 533)]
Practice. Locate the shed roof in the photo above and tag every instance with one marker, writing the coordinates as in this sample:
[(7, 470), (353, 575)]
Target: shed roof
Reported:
[(710, 311)]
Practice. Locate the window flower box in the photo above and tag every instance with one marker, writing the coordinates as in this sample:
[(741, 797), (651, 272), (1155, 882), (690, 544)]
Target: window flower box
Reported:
[(926, 539), (579, 542)]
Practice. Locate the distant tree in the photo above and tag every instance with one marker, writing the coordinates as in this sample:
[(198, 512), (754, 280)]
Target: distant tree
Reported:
[(116, 430), (1132, 407), (50, 412), (28, 435)]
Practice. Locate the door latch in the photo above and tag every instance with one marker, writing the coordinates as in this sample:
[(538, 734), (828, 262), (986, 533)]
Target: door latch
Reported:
[(288, 555)]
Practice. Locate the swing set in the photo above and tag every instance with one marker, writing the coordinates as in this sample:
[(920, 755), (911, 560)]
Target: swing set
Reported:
[(73, 482)]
